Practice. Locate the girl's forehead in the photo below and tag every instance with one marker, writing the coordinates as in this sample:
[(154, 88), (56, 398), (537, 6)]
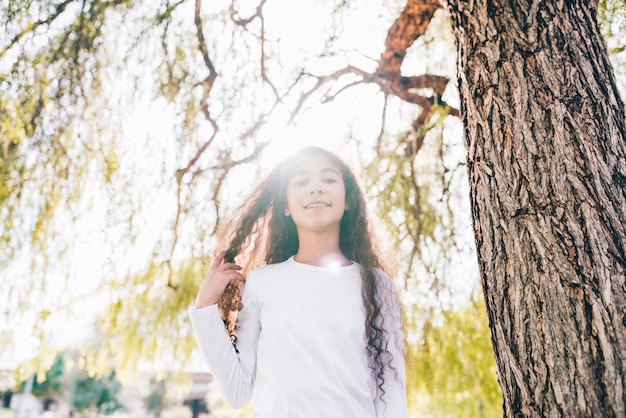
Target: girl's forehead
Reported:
[(313, 164)]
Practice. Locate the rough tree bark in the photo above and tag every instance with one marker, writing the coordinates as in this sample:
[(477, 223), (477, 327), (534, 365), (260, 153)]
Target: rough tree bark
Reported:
[(546, 139)]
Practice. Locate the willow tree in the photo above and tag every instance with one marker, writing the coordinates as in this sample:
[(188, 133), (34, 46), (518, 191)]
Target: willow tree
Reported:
[(546, 140)]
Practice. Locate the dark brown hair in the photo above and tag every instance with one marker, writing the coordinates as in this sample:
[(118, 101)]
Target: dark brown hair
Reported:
[(262, 234)]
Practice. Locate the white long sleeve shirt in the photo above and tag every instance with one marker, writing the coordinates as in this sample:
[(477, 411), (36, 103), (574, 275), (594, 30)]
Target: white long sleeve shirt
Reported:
[(302, 346)]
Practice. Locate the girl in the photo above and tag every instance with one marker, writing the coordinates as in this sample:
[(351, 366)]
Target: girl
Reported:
[(318, 329)]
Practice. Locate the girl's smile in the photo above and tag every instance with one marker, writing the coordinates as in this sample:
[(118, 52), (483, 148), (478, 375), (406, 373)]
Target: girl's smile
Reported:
[(316, 205)]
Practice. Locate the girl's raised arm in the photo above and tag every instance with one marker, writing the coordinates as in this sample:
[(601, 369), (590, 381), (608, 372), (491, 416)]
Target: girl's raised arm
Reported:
[(234, 368)]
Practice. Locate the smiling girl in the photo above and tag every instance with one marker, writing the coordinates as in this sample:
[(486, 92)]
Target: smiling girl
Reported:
[(318, 330)]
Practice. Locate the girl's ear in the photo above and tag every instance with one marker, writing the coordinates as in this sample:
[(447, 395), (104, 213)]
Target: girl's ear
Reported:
[(287, 211)]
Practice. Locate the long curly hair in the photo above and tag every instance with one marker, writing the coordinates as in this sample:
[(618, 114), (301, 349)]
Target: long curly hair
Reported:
[(262, 234)]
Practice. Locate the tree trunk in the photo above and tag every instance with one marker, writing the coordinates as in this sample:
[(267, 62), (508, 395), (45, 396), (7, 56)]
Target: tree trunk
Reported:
[(546, 139)]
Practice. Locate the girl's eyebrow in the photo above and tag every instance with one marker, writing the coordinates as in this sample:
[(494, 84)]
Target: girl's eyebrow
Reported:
[(307, 172), (330, 170)]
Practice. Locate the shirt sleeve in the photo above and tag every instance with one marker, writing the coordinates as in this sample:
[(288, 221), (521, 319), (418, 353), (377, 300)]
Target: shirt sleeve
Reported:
[(393, 402), (234, 370)]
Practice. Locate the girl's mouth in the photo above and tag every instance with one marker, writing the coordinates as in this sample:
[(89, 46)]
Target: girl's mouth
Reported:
[(316, 205)]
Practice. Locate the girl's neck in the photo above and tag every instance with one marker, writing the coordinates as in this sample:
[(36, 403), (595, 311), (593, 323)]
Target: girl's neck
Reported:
[(322, 251)]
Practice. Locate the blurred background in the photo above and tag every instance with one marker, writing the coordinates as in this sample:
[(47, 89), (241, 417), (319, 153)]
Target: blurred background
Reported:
[(129, 130)]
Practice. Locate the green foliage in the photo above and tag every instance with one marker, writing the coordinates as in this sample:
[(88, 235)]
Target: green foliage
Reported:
[(96, 394), (612, 20), (48, 364), (48, 385), (156, 401), (451, 369), (50, 77), (402, 195), (86, 391), (612, 17), (147, 320), (422, 200)]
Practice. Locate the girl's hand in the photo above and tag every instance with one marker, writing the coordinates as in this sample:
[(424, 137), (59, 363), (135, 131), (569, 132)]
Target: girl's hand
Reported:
[(219, 275)]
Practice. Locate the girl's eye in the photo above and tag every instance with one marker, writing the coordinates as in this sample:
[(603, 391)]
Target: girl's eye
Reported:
[(330, 181), (300, 183)]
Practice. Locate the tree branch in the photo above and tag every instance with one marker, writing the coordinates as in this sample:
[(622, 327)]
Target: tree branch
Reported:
[(207, 85), (202, 45), (33, 26), (245, 22), (425, 81), (410, 25)]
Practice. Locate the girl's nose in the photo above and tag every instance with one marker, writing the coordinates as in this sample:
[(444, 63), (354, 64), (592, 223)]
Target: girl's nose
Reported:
[(315, 187)]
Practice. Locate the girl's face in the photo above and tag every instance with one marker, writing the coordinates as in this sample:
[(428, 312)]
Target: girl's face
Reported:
[(316, 195)]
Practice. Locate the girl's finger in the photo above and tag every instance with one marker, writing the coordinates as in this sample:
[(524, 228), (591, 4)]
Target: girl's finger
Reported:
[(219, 257), (230, 266), (237, 276)]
